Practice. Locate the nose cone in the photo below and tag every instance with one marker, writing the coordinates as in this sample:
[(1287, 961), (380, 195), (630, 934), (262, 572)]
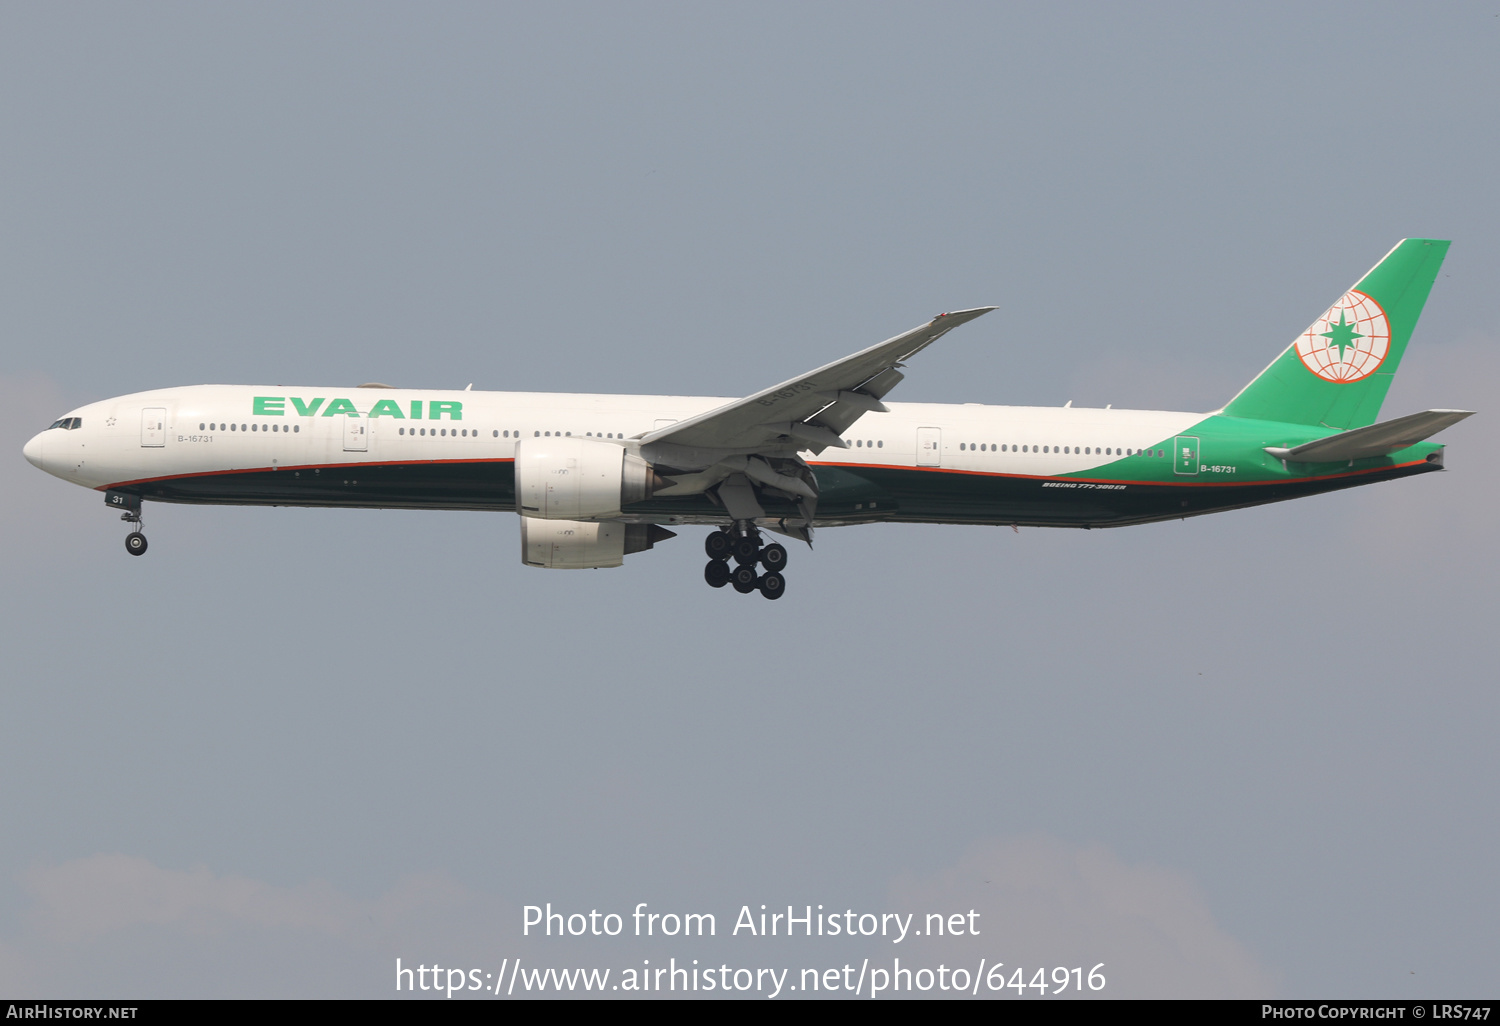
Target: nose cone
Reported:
[(33, 451)]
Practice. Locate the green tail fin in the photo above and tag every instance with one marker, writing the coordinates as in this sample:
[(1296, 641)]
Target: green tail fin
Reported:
[(1337, 372)]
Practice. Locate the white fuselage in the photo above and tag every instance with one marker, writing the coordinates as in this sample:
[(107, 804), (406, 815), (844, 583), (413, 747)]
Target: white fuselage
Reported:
[(209, 429)]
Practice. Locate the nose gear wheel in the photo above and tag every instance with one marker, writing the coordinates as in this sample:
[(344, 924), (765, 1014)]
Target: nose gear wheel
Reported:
[(135, 541)]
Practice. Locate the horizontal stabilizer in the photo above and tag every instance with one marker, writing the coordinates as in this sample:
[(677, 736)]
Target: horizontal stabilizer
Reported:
[(1375, 440)]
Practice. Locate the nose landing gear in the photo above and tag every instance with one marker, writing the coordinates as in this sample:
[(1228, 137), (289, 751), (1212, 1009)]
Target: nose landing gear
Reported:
[(135, 541), (742, 544)]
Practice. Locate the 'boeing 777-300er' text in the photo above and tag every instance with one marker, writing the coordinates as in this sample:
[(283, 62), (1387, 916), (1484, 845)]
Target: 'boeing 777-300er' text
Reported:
[(596, 477)]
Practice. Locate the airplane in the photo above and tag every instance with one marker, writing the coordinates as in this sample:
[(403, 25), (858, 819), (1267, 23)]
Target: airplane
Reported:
[(598, 477)]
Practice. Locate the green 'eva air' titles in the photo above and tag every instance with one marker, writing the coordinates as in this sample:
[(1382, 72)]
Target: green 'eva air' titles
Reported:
[(276, 406)]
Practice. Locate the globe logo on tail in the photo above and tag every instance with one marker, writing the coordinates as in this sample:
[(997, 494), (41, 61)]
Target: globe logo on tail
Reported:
[(1348, 342)]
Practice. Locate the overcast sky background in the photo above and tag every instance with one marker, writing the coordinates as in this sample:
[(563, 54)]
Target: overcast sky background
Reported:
[(1247, 754)]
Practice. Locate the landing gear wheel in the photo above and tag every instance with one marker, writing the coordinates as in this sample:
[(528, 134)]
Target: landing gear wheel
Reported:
[(718, 545), (135, 543), (773, 557), (717, 573), (745, 579), (746, 550), (773, 585)]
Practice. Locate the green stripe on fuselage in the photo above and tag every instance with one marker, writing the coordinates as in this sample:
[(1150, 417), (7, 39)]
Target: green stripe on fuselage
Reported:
[(1231, 450)]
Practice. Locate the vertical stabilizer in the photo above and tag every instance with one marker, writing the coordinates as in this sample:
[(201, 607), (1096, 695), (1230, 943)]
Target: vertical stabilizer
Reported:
[(1337, 372)]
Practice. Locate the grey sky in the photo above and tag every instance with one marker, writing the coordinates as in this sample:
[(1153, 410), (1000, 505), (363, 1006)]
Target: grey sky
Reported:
[(290, 745)]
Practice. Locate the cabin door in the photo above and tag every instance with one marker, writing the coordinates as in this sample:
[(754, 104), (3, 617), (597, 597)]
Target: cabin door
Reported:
[(154, 426), (356, 435), (1185, 455), (929, 447)]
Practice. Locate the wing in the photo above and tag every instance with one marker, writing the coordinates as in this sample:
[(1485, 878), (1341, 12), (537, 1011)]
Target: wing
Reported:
[(811, 411)]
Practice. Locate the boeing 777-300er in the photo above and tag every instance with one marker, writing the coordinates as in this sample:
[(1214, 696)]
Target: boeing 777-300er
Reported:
[(597, 477)]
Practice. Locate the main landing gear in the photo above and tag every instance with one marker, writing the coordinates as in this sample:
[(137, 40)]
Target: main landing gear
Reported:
[(742, 544)]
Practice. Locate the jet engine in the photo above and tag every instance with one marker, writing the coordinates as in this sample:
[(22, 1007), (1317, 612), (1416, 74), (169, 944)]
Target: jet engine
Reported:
[(574, 545), (579, 479)]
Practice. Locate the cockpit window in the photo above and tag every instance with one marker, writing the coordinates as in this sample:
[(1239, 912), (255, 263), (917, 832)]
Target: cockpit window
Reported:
[(67, 423), (57, 424)]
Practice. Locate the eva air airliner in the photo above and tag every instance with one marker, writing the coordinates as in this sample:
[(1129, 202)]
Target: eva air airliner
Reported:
[(598, 477)]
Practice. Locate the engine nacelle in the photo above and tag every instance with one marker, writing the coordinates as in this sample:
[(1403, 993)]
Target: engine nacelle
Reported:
[(574, 545), (579, 479)]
